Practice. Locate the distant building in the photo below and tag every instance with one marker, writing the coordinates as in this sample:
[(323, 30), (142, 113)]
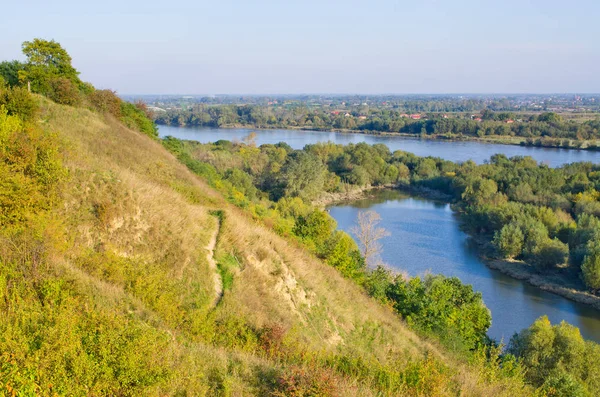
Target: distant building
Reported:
[(509, 121), (477, 119), (415, 116), (362, 117)]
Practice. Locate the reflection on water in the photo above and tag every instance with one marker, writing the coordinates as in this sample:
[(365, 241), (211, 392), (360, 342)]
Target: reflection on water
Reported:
[(425, 236), (454, 151)]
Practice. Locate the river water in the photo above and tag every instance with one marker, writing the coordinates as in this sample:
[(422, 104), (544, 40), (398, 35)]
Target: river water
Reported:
[(425, 235), (453, 151)]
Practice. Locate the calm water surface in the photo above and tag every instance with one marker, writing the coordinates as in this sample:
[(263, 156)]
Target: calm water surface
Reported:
[(425, 237), (454, 151)]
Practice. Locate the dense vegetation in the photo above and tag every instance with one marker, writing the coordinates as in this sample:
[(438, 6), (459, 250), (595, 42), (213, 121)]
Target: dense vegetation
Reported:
[(554, 130), (543, 215), (106, 287)]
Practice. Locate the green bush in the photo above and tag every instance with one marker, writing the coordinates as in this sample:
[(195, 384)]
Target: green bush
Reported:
[(18, 101), (64, 91), (136, 119), (106, 101)]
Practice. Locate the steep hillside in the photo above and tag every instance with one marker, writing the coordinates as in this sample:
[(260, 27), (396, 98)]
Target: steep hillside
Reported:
[(139, 279)]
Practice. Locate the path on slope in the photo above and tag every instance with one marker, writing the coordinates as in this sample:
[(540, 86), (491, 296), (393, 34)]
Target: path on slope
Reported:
[(212, 263)]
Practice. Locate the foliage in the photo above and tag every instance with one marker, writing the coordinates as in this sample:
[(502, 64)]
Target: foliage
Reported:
[(509, 240), (549, 128), (46, 67), (18, 101), (9, 71), (442, 305), (64, 91), (557, 358), (591, 266), (135, 118), (106, 101)]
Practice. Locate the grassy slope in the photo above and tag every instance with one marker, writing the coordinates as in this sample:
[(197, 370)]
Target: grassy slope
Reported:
[(136, 225)]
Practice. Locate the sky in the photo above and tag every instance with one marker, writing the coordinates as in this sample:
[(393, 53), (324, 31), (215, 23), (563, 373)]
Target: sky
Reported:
[(307, 46)]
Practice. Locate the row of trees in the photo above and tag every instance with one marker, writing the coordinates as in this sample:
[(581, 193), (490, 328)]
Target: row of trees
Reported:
[(382, 120)]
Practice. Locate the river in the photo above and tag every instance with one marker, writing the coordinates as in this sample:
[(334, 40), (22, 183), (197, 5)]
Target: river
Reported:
[(449, 150), (425, 235)]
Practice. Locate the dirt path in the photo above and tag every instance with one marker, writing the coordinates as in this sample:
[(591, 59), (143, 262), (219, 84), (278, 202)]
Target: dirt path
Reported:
[(212, 263)]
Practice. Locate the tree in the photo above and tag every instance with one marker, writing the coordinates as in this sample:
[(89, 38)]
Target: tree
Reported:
[(303, 176), (47, 61), (509, 240), (548, 352), (9, 70), (369, 234), (551, 253), (591, 266)]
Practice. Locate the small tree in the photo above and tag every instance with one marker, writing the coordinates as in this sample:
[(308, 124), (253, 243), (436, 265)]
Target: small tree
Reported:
[(591, 267), (368, 234), (552, 253), (509, 240)]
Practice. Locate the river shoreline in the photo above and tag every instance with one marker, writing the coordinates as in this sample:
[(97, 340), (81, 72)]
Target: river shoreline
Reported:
[(587, 145), (518, 270)]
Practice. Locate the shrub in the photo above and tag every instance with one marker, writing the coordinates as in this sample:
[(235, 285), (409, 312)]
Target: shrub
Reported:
[(106, 101), (63, 91), (135, 118), (18, 101)]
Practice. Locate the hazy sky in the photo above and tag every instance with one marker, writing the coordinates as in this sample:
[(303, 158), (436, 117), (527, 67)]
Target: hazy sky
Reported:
[(307, 46)]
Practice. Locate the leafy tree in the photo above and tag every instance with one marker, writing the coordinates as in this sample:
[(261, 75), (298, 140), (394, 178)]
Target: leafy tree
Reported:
[(509, 241), (442, 305), (342, 253), (315, 228), (106, 101), (562, 384), (550, 352), (377, 283), (9, 70), (303, 176), (552, 253), (46, 62), (591, 266)]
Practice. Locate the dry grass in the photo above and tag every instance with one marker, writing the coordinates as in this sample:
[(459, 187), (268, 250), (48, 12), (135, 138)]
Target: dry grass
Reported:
[(130, 203)]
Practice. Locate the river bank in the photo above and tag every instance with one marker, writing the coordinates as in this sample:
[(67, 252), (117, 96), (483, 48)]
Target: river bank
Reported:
[(554, 282), (557, 282)]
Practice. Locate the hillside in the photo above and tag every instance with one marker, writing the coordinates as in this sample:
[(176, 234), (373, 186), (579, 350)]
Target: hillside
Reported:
[(119, 287)]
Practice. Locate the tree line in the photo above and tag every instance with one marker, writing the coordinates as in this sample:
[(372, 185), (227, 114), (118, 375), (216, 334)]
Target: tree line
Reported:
[(550, 126)]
